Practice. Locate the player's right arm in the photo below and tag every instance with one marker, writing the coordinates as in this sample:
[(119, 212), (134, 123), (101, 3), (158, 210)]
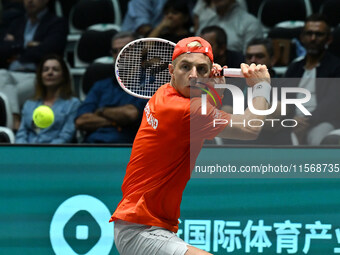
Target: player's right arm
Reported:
[(238, 127)]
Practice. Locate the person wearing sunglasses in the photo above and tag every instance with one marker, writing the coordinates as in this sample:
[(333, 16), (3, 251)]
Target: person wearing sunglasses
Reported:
[(324, 104)]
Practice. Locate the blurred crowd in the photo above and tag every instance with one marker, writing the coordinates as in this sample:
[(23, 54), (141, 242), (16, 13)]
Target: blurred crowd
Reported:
[(42, 63)]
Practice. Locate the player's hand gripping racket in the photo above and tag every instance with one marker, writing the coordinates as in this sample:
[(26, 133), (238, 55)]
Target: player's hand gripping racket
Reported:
[(142, 66)]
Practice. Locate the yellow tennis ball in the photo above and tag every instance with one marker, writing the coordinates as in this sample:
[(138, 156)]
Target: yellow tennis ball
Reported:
[(43, 116)]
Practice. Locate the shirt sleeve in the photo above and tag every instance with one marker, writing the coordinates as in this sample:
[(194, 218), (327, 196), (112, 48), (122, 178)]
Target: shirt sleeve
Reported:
[(205, 126), (22, 134), (68, 130), (139, 13), (199, 7), (252, 29), (91, 102)]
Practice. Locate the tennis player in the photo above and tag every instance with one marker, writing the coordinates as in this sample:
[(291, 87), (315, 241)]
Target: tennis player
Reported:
[(163, 157)]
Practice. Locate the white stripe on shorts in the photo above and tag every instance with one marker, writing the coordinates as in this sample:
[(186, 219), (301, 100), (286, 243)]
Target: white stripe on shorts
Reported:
[(137, 239)]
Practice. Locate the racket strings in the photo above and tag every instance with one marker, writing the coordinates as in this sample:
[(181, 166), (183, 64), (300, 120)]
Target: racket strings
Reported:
[(143, 67)]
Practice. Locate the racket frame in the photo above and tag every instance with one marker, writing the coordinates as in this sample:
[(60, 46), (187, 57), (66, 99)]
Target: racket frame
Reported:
[(149, 39), (227, 72)]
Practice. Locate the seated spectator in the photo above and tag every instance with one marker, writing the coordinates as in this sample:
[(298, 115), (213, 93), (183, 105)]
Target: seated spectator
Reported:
[(218, 39), (239, 25), (318, 63), (176, 22), (53, 88), (32, 36), (109, 114), (260, 51), (144, 15), (27, 39), (9, 10)]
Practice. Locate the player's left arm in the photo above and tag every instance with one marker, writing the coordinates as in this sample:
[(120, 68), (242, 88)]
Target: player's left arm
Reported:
[(257, 76)]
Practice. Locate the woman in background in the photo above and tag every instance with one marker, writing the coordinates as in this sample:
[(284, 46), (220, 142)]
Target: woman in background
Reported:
[(53, 88)]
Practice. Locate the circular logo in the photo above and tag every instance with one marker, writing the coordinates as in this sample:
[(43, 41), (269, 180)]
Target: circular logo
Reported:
[(67, 210)]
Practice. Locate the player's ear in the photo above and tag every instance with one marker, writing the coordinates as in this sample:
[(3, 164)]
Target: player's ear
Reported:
[(171, 69)]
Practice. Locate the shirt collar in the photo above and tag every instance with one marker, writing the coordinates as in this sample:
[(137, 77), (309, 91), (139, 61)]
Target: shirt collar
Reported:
[(40, 15)]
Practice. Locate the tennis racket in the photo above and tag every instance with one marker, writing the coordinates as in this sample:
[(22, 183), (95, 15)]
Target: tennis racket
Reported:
[(142, 66)]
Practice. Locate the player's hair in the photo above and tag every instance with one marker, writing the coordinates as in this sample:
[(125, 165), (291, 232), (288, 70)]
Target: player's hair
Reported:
[(66, 84), (194, 44), (318, 17), (221, 35), (266, 42)]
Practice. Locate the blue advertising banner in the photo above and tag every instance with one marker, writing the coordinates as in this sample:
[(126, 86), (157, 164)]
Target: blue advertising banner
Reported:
[(58, 200)]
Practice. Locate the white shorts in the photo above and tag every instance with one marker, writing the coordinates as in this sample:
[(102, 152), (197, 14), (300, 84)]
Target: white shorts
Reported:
[(137, 239)]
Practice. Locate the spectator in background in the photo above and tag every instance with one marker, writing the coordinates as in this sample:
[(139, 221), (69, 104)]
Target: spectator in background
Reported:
[(109, 114), (239, 25), (176, 22), (144, 15), (53, 88), (9, 11), (32, 36), (324, 104), (26, 41), (260, 51), (218, 39)]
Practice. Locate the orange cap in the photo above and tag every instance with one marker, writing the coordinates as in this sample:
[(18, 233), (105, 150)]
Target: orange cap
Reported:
[(187, 45)]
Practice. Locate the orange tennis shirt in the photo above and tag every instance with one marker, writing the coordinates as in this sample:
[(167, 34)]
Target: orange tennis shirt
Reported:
[(163, 155)]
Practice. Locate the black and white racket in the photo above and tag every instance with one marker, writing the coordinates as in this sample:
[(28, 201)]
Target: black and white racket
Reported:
[(142, 66)]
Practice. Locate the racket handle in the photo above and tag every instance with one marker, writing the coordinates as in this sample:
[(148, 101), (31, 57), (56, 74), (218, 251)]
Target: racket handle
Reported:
[(232, 72)]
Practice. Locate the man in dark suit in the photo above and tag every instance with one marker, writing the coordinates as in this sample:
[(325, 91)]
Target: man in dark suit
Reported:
[(316, 73), (26, 41), (32, 36)]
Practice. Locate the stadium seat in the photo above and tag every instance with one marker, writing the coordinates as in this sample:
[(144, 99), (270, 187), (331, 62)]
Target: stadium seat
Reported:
[(62, 8), (284, 43), (123, 7), (253, 6), (331, 9), (273, 13), (94, 43), (316, 4), (6, 118), (86, 13), (334, 47), (90, 12), (6, 135), (333, 138), (95, 72)]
